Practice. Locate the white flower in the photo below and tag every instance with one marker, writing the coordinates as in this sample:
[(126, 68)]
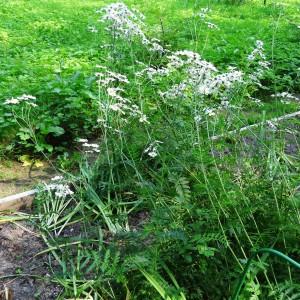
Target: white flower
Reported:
[(90, 145), (143, 119), (117, 107), (113, 92), (152, 150), (20, 99), (200, 78), (12, 101), (285, 95), (153, 153), (61, 190), (92, 29), (255, 100), (257, 60), (203, 13), (251, 57), (56, 178), (209, 112), (31, 104), (152, 73), (127, 24), (109, 77), (82, 140), (198, 119), (27, 97), (211, 25)]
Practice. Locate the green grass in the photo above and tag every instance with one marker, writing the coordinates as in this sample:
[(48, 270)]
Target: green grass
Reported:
[(41, 38)]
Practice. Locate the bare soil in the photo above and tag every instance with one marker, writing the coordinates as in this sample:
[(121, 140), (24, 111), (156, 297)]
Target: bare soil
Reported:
[(15, 178), (23, 276)]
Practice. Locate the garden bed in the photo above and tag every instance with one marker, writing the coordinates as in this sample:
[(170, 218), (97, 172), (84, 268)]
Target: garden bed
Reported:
[(15, 178), (24, 276)]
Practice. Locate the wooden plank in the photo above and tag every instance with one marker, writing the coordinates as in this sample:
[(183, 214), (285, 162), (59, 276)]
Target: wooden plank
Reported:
[(249, 127), (18, 201)]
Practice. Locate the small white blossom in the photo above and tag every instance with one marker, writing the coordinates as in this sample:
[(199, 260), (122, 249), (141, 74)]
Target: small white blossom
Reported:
[(152, 150), (92, 29), (56, 178), (198, 119), (211, 25), (203, 13), (127, 24), (61, 190), (90, 145), (209, 112), (257, 60), (24, 98), (82, 140), (285, 95), (12, 101), (143, 119)]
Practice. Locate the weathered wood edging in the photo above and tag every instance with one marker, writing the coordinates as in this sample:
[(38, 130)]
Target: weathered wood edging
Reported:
[(18, 201), (274, 120)]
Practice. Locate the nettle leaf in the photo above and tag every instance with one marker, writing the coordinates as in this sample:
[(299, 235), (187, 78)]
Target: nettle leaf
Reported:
[(42, 147), (24, 136), (56, 130)]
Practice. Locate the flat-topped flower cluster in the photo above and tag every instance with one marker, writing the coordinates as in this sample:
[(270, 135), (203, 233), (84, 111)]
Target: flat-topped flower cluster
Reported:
[(200, 77), (114, 100), (127, 24), (28, 99)]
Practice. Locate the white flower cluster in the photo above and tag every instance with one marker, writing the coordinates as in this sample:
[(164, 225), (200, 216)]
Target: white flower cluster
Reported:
[(57, 178), (258, 59), (200, 77), (90, 147), (256, 101), (153, 72), (211, 25), (61, 190), (286, 97), (107, 77), (211, 112), (152, 149), (92, 29), (258, 52), (203, 13), (127, 24), (28, 99), (117, 102)]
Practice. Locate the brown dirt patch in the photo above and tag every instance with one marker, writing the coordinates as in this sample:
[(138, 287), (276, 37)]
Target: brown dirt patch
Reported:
[(18, 245), (14, 177)]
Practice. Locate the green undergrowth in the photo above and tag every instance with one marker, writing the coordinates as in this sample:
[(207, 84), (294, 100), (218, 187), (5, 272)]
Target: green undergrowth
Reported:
[(47, 50), (157, 207), (179, 226)]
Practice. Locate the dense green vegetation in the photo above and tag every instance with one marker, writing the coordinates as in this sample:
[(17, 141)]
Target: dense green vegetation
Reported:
[(167, 203)]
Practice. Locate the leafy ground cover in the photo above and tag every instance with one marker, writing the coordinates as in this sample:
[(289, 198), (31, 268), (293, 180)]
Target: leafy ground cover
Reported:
[(158, 207)]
